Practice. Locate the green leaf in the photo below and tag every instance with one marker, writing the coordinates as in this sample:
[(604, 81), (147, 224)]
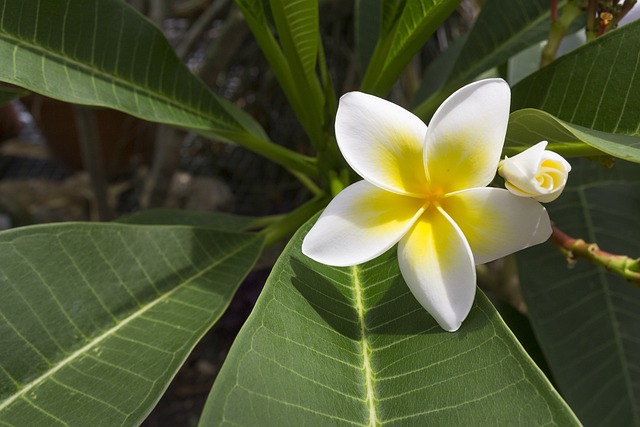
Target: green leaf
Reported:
[(301, 87), (529, 126), (391, 11), (212, 220), (501, 30), (297, 24), (414, 21), (351, 346), (587, 319), (96, 319), (298, 30), (368, 16), (595, 86), (105, 53)]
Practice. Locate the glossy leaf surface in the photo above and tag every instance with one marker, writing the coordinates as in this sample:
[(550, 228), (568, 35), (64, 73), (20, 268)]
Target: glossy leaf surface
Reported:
[(104, 53), (587, 318), (351, 346), (298, 29), (96, 319), (596, 86), (405, 28), (530, 126)]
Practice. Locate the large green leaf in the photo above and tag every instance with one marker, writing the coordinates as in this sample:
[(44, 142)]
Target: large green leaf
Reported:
[(414, 21), (104, 53), (596, 86), (95, 319), (501, 30), (351, 346), (530, 126), (587, 319)]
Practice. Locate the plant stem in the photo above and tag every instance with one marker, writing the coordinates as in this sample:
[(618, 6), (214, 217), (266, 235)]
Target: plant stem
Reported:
[(565, 149), (263, 221), (289, 159), (92, 159), (307, 182), (592, 10), (626, 267), (286, 226), (626, 7), (558, 29)]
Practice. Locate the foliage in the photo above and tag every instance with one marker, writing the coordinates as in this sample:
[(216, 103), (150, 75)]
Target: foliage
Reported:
[(95, 319)]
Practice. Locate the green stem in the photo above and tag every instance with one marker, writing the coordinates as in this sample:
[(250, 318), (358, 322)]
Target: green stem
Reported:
[(592, 10), (289, 159), (565, 149), (558, 29), (286, 226), (308, 182), (263, 221)]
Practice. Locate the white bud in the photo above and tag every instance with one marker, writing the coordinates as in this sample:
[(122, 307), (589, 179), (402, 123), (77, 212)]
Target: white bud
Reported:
[(536, 172)]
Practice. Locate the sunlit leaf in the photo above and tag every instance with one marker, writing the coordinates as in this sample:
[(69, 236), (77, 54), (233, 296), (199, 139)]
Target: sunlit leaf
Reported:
[(529, 126), (105, 53), (416, 21), (391, 11), (96, 319), (351, 346), (293, 63), (297, 23), (586, 318), (596, 86)]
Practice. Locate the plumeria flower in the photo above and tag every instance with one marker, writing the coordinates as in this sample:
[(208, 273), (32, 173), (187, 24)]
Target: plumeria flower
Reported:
[(536, 172), (424, 188)]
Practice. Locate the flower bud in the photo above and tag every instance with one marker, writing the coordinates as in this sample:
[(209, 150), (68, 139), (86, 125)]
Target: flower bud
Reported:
[(536, 173)]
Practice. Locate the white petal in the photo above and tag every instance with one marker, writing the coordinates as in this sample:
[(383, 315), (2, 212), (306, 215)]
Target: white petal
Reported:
[(382, 142), (497, 223), (360, 223), (554, 171), (466, 135), (437, 264), (524, 165)]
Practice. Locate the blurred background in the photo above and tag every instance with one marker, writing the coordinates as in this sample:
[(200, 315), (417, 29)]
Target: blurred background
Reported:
[(60, 162)]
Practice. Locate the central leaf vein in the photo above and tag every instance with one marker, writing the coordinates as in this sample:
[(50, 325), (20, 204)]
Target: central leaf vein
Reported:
[(365, 348)]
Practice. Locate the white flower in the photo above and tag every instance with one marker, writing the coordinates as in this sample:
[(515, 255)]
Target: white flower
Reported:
[(536, 172), (424, 189)]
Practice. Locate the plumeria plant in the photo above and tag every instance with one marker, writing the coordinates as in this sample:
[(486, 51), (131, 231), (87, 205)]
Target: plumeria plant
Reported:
[(397, 300)]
